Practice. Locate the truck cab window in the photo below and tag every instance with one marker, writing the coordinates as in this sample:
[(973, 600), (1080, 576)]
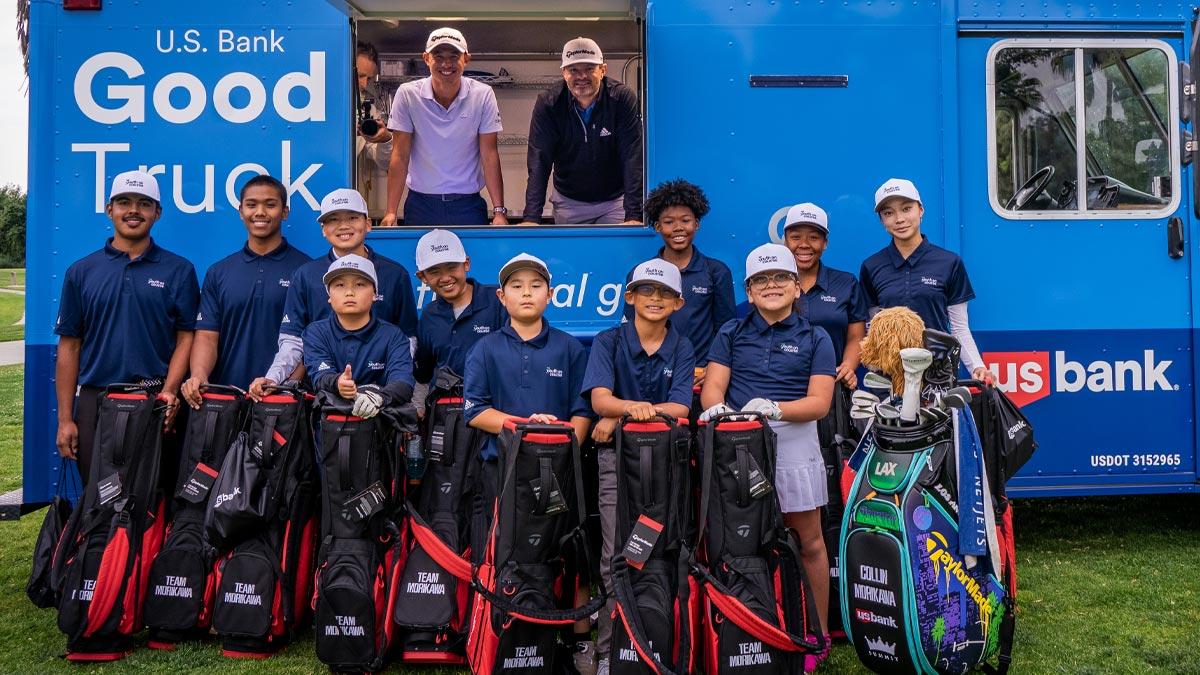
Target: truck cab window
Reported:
[(1121, 151)]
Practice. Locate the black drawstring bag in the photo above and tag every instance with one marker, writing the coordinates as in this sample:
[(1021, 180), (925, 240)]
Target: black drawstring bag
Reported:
[(1005, 433), (41, 586)]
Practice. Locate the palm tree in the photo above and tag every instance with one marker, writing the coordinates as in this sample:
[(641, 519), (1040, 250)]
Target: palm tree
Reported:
[(936, 634)]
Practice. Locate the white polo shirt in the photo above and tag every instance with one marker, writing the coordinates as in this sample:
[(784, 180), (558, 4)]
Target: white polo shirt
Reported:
[(445, 144)]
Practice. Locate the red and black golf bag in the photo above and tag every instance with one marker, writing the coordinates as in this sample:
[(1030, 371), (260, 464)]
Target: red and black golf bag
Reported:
[(360, 480), (431, 579), (103, 558), (759, 615), (652, 622), (261, 509), (536, 556), (179, 597)]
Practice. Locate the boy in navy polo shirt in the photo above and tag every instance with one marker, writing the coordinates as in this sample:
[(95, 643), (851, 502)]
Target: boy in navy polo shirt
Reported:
[(241, 300), (463, 312), (776, 363), (527, 369), (674, 209), (345, 225), (127, 314), (911, 272), (377, 366), (637, 368)]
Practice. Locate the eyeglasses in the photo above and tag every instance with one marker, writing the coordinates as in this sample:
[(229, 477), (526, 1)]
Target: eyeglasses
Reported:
[(654, 290), (761, 281)]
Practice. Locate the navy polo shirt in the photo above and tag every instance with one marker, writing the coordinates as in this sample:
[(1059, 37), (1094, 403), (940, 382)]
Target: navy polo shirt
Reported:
[(833, 303), (308, 300), (771, 361), (444, 340), (519, 377), (928, 282), (707, 302), (127, 312), (618, 363), (242, 299), (378, 353)]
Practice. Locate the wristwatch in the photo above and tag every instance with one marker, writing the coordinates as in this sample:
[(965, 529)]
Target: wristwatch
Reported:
[(500, 210)]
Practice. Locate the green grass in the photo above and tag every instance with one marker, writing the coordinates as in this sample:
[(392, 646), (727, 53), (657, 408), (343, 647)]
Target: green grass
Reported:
[(12, 308), (1107, 585), (6, 278)]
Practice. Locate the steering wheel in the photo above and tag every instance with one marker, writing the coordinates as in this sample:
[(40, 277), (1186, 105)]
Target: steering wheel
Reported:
[(1030, 190)]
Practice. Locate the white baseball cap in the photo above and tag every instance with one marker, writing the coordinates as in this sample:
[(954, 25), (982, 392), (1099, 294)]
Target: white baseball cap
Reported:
[(446, 36), (581, 50), (524, 261), (439, 246), (658, 271), (807, 213), (342, 199), (896, 187), (350, 264), (770, 258), (135, 182)]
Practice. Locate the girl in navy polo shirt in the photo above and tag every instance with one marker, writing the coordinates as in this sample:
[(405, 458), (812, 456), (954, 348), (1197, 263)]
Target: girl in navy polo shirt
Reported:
[(777, 363), (911, 272)]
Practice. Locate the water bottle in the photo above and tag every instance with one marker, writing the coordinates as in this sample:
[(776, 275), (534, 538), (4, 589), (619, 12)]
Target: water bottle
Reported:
[(415, 459)]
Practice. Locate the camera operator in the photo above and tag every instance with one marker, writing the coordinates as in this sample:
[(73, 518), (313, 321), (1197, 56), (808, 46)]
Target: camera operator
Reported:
[(373, 142)]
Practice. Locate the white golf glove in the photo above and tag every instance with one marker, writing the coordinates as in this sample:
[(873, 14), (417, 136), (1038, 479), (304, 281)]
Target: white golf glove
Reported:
[(367, 403), (712, 412), (768, 408)]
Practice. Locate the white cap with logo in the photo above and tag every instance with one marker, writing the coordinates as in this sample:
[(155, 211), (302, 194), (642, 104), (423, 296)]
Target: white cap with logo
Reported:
[(342, 199), (658, 271), (437, 247), (135, 183), (350, 264), (807, 213), (449, 37), (581, 50), (524, 261), (896, 187), (770, 258)]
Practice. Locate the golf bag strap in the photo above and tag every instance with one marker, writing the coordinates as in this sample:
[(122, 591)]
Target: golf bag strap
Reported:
[(344, 479), (632, 621), (550, 617), (122, 425), (706, 471), (546, 476), (210, 430), (269, 437), (743, 476), (436, 547), (745, 618)]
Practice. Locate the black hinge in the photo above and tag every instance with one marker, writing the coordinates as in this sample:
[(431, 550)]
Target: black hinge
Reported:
[(799, 81)]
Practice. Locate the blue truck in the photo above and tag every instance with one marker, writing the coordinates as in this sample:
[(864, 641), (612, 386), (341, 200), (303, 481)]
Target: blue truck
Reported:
[(998, 111)]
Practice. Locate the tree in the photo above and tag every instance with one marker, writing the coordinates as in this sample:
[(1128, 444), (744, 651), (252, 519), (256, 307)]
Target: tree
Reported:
[(12, 226)]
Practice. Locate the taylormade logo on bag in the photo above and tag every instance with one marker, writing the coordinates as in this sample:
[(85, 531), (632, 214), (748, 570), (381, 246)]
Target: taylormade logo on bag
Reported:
[(1026, 376)]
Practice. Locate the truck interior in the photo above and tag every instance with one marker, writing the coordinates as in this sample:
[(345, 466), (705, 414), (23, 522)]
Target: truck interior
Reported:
[(515, 47), (1126, 139)]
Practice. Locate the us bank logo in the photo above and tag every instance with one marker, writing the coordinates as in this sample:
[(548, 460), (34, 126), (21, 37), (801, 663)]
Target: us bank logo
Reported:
[(1027, 376)]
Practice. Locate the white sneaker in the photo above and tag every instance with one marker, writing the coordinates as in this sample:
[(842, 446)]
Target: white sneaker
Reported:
[(602, 666), (585, 657)]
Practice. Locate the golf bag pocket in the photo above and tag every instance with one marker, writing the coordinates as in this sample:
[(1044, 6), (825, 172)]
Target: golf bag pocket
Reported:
[(349, 606), (179, 595), (248, 593), (658, 620), (427, 595), (525, 646), (735, 649), (78, 581)]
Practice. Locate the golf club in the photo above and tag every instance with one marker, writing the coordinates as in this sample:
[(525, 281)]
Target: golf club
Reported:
[(915, 360), (957, 398), (887, 413), (874, 380)]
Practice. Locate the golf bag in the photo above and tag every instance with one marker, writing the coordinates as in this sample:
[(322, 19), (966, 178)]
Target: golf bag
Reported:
[(536, 556), (103, 557), (41, 588), (359, 541), (924, 587), (652, 626), (759, 615), (838, 436), (180, 594), (431, 579), (263, 502)]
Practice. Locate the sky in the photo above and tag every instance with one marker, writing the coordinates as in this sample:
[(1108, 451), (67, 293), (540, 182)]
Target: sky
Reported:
[(14, 90)]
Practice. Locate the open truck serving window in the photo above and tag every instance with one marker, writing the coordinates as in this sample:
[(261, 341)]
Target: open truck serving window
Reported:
[(1053, 153)]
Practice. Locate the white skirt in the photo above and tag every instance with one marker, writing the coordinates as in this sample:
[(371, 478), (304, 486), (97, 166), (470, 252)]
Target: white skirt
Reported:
[(800, 479)]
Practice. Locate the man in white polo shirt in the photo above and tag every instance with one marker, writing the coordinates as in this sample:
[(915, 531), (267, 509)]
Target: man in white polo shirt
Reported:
[(444, 143)]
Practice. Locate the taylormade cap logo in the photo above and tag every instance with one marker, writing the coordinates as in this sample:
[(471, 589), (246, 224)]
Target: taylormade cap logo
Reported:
[(576, 52), (438, 37), (1027, 376)]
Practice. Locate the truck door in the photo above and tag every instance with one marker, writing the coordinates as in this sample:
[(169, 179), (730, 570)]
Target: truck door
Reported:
[(1077, 227)]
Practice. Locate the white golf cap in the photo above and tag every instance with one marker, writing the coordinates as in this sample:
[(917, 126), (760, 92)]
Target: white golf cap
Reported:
[(581, 50), (658, 271), (896, 187), (770, 258), (342, 199), (807, 213), (135, 183), (351, 264), (524, 261), (436, 247), (450, 37)]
